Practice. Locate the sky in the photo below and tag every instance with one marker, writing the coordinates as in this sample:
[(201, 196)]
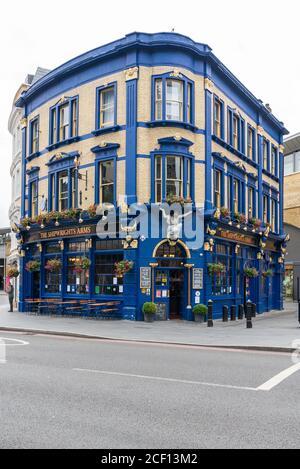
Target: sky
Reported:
[(259, 44)]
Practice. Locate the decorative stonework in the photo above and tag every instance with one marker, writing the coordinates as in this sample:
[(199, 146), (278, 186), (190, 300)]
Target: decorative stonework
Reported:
[(132, 73), (176, 74), (103, 145), (177, 138), (281, 149), (260, 130), (23, 123), (209, 84)]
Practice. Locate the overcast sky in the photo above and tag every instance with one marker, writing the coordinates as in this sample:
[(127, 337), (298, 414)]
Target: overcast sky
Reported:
[(259, 44)]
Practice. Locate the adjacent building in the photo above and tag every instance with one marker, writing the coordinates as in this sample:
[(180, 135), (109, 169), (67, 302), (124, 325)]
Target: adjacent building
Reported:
[(292, 215), (14, 128), (148, 119), (4, 252)]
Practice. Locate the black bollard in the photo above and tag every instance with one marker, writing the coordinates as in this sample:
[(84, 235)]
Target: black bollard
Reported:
[(254, 312), (299, 311), (226, 313), (233, 313), (249, 315), (210, 322), (241, 312)]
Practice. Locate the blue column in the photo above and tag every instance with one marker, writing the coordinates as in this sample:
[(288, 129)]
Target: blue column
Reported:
[(23, 182), (208, 150), (131, 140), (281, 193), (130, 287), (260, 178)]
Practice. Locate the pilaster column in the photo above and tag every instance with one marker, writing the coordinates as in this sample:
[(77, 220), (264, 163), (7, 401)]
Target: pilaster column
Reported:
[(260, 173), (208, 143), (131, 76), (24, 154)]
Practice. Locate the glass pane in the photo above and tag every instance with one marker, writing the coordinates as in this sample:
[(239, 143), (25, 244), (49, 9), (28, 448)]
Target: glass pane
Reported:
[(173, 189), (158, 99), (107, 172), (158, 167), (174, 100), (173, 167), (107, 107), (108, 194), (289, 164), (297, 162)]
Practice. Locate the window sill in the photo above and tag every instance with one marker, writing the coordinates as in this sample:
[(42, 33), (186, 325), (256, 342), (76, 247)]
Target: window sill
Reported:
[(106, 130), (169, 123), (233, 150), (33, 156), (63, 143), (270, 175)]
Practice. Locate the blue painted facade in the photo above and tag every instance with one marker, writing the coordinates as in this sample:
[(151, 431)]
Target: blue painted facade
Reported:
[(173, 268)]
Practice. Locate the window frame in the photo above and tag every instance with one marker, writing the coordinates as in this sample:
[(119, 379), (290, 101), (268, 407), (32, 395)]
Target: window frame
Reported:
[(55, 124), (220, 103), (36, 141), (99, 91), (33, 183), (53, 184)]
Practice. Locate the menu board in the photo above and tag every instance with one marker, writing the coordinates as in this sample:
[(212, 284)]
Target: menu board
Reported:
[(145, 278), (197, 279), (161, 311)]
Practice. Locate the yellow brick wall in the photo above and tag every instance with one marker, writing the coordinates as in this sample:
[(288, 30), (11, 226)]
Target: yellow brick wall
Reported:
[(292, 191), (292, 216)]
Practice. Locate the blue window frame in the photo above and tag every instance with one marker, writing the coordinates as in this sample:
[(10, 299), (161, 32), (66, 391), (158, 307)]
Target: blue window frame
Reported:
[(251, 140), (218, 187), (251, 201), (63, 190), (222, 284), (106, 108), (33, 198), (274, 161), (173, 99), (64, 122), (274, 215), (106, 173), (34, 134), (266, 208), (236, 194), (266, 154), (236, 131), (218, 118)]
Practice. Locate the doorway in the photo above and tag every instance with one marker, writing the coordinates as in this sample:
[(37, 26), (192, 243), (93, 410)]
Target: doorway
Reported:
[(176, 294), (170, 292)]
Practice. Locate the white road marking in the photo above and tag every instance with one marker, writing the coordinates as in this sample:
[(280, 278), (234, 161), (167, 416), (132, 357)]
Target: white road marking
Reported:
[(16, 343), (169, 380), (276, 380)]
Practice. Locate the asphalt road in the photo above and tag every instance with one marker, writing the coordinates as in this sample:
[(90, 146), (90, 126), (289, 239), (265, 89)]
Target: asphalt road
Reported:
[(73, 393)]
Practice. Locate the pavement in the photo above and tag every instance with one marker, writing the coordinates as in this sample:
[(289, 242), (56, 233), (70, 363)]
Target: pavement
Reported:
[(67, 393), (277, 330)]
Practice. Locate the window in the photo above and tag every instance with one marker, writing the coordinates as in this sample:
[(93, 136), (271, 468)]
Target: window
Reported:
[(273, 215), (77, 278), (174, 176), (265, 155), (236, 204), (34, 136), (265, 209), (52, 191), (274, 161), (158, 100), (52, 279), (292, 163), (106, 282), (251, 193), (158, 179), (235, 132), (107, 107), (173, 99), (63, 191), (217, 186), (222, 283), (64, 121), (34, 199), (218, 124), (250, 143), (188, 179), (106, 178)]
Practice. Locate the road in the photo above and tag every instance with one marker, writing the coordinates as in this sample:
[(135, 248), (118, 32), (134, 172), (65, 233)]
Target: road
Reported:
[(74, 393)]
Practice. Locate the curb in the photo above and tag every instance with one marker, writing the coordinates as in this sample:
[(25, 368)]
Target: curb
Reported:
[(254, 348)]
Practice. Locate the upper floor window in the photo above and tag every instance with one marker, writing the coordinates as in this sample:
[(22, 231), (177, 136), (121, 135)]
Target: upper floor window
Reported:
[(265, 209), (107, 182), (273, 215), (33, 199), (218, 118), (292, 163), (173, 99), (217, 188), (63, 190), (235, 132), (265, 154), (251, 195), (34, 136), (250, 143), (274, 161), (177, 172), (64, 121), (106, 106), (236, 196)]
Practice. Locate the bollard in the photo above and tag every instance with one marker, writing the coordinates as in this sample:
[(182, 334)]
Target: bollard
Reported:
[(241, 312), (249, 315), (233, 313), (299, 311), (226, 313), (254, 312), (210, 322)]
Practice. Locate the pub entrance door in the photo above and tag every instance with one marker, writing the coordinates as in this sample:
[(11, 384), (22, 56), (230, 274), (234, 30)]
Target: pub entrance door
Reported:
[(169, 292)]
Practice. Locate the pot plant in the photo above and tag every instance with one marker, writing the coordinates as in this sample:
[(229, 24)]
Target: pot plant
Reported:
[(255, 222), (200, 312), (92, 211), (123, 267), (225, 212), (53, 265), (13, 272), (33, 266), (267, 273), (175, 199), (149, 310), (250, 272), (216, 269), (239, 217)]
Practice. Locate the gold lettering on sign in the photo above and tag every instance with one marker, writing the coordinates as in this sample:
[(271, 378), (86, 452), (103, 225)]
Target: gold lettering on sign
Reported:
[(85, 230), (236, 237)]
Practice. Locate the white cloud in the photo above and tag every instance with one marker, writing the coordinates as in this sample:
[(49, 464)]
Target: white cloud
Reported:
[(259, 44)]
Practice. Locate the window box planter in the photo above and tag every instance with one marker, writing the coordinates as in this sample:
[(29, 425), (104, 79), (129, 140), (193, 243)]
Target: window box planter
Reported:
[(240, 218), (255, 222), (225, 212)]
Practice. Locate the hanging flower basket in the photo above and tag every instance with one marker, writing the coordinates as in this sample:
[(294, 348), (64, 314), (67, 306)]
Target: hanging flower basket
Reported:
[(53, 265), (251, 272), (13, 272), (26, 222), (82, 265), (92, 211), (123, 267), (216, 269), (33, 266), (268, 273)]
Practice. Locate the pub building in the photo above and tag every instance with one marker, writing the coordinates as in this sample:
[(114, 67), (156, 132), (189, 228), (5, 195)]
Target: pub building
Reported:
[(147, 119)]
